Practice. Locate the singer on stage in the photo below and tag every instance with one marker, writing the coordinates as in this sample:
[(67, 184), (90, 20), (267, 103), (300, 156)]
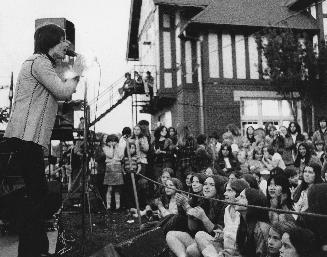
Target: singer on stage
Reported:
[(30, 126)]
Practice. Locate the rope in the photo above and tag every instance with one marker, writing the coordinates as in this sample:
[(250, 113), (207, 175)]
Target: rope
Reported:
[(238, 204)]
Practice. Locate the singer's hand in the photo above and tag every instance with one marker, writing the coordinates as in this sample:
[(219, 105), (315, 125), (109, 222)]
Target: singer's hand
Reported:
[(79, 65)]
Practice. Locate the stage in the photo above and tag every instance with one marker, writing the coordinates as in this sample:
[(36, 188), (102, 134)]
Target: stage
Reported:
[(9, 244)]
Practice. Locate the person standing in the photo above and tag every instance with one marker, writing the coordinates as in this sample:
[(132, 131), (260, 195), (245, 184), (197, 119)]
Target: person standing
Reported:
[(30, 126), (113, 177), (148, 84), (291, 141), (321, 133), (100, 159)]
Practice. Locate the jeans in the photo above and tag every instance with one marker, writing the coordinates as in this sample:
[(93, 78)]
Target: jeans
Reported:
[(32, 235)]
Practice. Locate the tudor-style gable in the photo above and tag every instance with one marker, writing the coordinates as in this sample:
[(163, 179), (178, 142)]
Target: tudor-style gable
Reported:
[(216, 38)]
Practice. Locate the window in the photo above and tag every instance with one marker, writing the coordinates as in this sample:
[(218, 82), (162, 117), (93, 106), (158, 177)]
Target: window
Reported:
[(188, 63), (213, 55), (324, 7), (256, 112), (167, 50), (313, 11), (166, 20), (165, 119), (325, 27), (253, 58), (227, 55), (178, 50), (168, 80), (240, 57)]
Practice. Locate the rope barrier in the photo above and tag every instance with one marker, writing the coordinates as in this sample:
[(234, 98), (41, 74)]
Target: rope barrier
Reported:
[(317, 215)]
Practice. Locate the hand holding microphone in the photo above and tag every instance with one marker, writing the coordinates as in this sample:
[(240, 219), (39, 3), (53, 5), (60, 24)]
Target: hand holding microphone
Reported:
[(82, 62)]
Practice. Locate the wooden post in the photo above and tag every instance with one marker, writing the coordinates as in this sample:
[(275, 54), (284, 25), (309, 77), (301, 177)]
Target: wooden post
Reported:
[(134, 184)]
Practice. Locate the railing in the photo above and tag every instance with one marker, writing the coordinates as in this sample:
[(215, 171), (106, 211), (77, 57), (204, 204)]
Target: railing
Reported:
[(112, 96)]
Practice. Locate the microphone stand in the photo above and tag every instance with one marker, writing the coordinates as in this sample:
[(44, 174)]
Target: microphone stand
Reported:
[(85, 166)]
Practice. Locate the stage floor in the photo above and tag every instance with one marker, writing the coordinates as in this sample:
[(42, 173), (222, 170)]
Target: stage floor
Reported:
[(9, 244)]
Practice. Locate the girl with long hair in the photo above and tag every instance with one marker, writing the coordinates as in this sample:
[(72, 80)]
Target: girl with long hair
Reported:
[(317, 196), (167, 203), (279, 197), (130, 164), (226, 161), (209, 245), (250, 134), (252, 233), (163, 147), (158, 192), (255, 163), (298, 242), (197, 182), (172, 134), (114, 176), (303, 158), (142, 148), (275, 237), (208, 216), (311, 176)]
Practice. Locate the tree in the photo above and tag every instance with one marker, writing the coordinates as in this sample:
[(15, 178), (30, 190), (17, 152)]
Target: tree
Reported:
[(293, 66), (4, 115)]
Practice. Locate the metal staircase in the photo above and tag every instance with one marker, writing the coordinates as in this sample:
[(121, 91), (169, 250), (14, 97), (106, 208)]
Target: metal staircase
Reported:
[(110, 97)]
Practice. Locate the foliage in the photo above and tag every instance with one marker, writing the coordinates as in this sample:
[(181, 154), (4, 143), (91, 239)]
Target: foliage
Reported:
[(4, 114), (293, 63)]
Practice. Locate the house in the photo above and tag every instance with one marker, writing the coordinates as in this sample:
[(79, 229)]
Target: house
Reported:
[(207, 61)]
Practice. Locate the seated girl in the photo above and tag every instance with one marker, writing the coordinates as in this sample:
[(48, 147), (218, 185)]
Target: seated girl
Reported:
[(275, 237), (311, 176), (197, 181), (188, 182), (211, 246), (298, 242), (159, 191), (256, 161), (207, 217), (279, 197), (167, 203), (226, 161), (252, 233)]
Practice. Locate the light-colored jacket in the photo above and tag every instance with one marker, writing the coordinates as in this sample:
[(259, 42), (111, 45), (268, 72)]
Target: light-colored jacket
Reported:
[(35, 105)]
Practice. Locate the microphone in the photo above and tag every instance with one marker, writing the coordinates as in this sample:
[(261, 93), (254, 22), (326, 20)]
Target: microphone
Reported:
[(71, 53)]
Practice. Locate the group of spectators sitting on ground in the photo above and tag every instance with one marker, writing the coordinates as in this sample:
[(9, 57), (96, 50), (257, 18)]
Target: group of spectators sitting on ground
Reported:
[(267, 167)]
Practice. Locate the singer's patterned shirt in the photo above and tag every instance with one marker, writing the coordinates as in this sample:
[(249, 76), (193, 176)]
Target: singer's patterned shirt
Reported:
[(35, 105)]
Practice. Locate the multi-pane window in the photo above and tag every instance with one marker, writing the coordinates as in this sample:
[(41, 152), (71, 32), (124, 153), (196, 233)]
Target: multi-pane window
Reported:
[(257, 111), (324, 15), (221, 56), (166, 119)]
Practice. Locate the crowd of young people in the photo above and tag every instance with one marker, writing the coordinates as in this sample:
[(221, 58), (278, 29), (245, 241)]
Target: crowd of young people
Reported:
[(267, 167)]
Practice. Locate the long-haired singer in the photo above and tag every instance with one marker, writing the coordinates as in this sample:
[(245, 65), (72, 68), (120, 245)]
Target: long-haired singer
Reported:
[(30, 127)]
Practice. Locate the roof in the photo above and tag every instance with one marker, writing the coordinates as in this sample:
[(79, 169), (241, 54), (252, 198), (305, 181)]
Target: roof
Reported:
[(254, 13), (299, 4), (196, 3), (132, 52), (135, 11)]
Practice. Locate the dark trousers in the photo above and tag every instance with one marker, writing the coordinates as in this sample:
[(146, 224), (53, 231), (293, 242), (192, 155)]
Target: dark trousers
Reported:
[(32, 235)]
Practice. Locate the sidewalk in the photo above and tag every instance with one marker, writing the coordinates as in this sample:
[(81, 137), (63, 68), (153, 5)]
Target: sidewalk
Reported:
[(9, 244)]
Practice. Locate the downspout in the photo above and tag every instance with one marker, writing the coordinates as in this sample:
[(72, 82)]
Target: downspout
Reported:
[(200, 81), (313, 125)]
